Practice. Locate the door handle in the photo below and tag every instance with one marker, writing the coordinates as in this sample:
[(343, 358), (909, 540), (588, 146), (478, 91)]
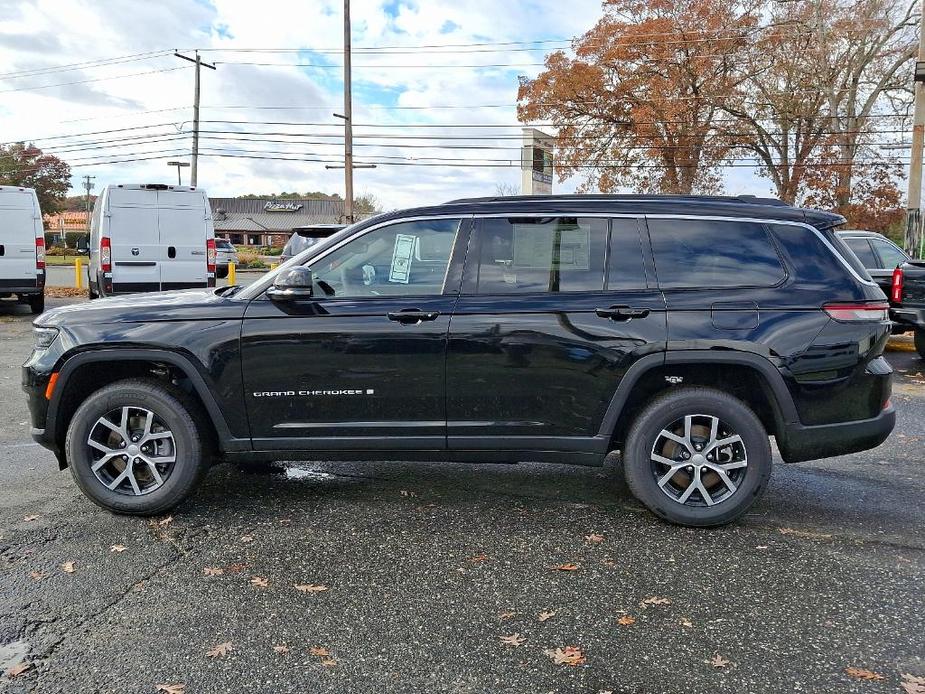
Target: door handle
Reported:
[(621, 313), (412, 316)]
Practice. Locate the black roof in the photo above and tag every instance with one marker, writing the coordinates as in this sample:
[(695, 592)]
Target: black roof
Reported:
[(717, 206)]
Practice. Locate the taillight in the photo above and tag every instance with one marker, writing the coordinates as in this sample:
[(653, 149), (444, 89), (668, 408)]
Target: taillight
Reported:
[(40, 254), (105, 254), (896, 288), (852, 313), (210, 255)]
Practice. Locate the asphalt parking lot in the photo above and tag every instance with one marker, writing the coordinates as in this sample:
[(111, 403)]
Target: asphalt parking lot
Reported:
[(418, 577)]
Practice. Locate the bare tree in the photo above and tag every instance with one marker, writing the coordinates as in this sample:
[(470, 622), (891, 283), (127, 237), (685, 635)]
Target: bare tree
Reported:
[(506, 190)]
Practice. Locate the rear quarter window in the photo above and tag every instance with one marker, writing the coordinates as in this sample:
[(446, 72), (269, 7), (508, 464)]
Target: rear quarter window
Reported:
[(813, 260), (710, 253)]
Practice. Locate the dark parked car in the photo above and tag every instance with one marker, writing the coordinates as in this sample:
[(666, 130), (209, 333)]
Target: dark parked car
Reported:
[(305, 237), (681, 331), (901, 277)]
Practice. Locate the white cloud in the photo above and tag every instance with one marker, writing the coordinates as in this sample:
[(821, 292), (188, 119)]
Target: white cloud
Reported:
[(42, 33)]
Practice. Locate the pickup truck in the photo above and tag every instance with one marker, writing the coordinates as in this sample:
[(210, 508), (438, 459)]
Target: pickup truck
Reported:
[(901, 278)]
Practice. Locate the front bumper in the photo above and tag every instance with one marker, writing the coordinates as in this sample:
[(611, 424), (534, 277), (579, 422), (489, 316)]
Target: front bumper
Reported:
[(800, 442)]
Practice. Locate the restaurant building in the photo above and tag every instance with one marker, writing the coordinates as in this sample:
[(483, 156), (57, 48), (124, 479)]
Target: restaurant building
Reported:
[(270, 221)]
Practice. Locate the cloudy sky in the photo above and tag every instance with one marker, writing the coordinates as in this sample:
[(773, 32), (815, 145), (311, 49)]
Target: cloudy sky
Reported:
[(121, 108)]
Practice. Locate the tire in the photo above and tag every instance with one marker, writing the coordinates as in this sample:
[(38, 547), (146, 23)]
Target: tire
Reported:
[(221, 272), (665, 414), (172, 410), (920, 342), (37, 303)]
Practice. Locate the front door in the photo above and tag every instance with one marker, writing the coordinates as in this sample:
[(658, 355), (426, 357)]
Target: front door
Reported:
[(359, 365), (552, 313)]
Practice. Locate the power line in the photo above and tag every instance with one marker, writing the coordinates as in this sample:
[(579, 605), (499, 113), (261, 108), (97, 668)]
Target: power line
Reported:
[(102, 62), (98, 79)]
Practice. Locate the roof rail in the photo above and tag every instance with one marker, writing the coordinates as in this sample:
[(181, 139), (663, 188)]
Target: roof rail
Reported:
[(746, 199)]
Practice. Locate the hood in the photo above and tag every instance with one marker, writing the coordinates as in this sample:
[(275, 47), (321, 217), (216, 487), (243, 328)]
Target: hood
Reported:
[(181, 304)]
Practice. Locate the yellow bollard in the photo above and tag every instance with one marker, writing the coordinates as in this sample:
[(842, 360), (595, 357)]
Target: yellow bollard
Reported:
[(78, 275), (231, 278), (273, 266)]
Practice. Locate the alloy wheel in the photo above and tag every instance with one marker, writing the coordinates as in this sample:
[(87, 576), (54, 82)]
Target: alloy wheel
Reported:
[(132, 450), (698, 460)]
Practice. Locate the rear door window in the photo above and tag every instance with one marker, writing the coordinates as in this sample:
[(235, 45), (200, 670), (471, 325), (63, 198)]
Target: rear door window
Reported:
[(861, 248), (890, 255), (549, 254), (713, 254)]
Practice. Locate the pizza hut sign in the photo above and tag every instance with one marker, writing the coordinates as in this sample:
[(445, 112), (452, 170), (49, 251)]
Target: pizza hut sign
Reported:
[(282, 207)]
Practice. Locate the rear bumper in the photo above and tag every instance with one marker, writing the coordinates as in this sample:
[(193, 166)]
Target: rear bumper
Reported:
[(800, 442), (912, 317)]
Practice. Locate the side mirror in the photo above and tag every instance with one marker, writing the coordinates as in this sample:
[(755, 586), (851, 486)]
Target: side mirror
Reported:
[(295, 283), (83, 245)]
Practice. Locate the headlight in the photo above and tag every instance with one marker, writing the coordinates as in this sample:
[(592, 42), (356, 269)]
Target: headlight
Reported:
[(44, 337)]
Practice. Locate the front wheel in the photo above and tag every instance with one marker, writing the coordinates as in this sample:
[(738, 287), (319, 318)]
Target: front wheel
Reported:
[(920, 341), (136, 447), (697, 457)]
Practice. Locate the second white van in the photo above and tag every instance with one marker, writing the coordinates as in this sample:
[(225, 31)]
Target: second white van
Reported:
[(150, 237), (22, 247)]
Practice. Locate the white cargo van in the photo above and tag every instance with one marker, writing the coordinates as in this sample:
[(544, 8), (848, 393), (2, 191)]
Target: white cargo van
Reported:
[(149, 238), (22, 247)]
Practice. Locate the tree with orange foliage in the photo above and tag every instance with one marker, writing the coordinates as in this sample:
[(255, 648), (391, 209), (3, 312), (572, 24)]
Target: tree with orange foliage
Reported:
[(638, 105)]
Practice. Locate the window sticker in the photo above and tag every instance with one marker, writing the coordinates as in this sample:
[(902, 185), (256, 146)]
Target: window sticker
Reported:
[(402, 255), (533, 247)]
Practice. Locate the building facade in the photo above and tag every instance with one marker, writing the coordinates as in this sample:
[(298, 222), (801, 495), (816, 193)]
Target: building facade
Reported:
[(270, 221)]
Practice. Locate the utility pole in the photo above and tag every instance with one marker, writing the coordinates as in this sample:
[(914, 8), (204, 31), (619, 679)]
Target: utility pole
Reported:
[(197, 61), (88, 186), (913, 238), (348, 121)]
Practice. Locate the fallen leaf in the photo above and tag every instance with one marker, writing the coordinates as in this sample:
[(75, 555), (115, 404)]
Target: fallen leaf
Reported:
[(36, 575), (570, 655), (594, 537), (478, 558), (860, 673), (328, 662), (543, 616), (282, 649), (236, 568), (17, 670), (260, 582), (568, 566), (139, 587), (310, 588), (319, 651), (685, 622), (912, 684), (626, 620), (719, 661), (804, 534), (507, 615), (247, 538), (118, 548), (69, 567), (29, 519), (285, 521), (164, 522), (171, 688), (405, 492), (608, 562), (513, 640), (220, 650), (213, 571), (761, 546), (655, 600)]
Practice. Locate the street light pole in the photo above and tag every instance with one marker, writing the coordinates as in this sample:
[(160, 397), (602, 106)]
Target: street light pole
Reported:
[(348, 121), (179, 165)]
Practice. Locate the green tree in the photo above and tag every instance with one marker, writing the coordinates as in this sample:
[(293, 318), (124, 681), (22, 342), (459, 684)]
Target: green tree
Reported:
[(27, 166)]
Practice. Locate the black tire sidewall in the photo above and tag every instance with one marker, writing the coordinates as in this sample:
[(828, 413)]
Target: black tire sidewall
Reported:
[(920, 341), (189, 465), (668, 409)]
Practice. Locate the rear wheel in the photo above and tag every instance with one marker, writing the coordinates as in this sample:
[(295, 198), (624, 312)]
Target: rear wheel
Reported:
[(221, 272), (697, 457), (135, 447), (920, 341), (37, 303)]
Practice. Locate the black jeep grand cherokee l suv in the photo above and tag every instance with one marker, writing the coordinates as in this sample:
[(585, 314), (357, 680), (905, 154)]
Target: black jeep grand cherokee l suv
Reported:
[(682, 331)]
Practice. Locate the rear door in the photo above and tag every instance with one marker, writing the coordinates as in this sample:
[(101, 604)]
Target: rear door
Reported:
[(182, 230), (131, 225), (543, 334), (17, 238)]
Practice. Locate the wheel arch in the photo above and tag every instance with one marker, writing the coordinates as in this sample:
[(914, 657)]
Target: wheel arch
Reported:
[(750, 377), (87, 372)]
